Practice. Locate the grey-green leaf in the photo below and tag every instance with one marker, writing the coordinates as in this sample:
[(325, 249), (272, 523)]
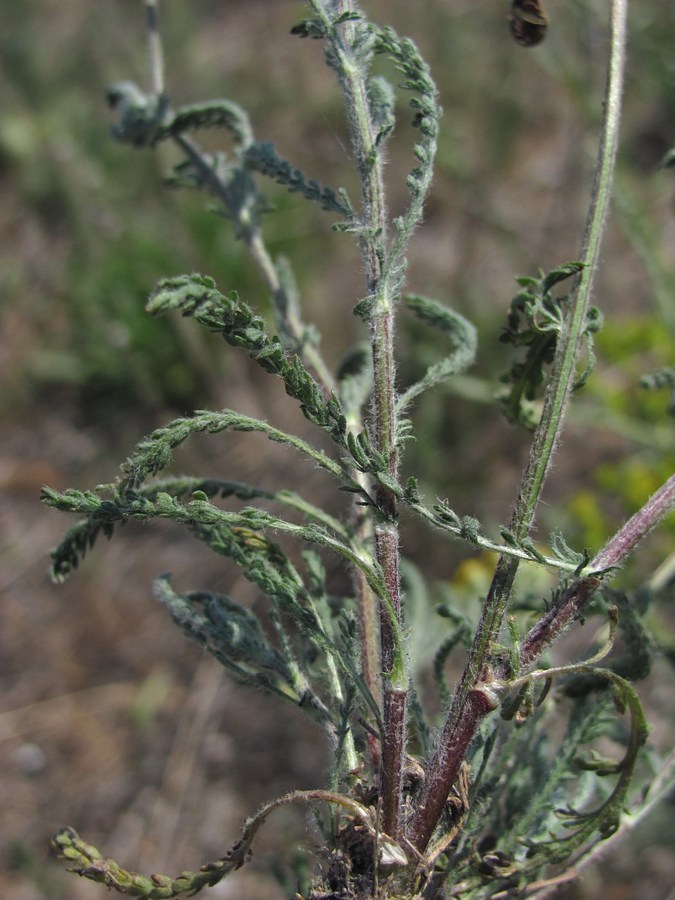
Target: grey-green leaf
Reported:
[(459, 331)]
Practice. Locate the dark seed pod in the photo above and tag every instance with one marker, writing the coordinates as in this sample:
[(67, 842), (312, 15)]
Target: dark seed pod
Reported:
[(528, 22)]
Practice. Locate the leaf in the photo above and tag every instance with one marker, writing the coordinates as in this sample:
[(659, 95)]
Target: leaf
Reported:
[(102, 519), (76, 542), (262, 157), (141, 115), (196, 295), (659, 379), (426, 116), (563, 552), (154, 452), (458, 330), (210, 114), (266, 565), (310, 28), (668, 161), (605, 819), (382, 103), (87, 861), (231, 633), (534, 321), (236, 535), (470, 529)]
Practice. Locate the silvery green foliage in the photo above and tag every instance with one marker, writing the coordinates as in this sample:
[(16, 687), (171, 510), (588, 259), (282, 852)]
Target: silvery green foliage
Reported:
[(475, 800)]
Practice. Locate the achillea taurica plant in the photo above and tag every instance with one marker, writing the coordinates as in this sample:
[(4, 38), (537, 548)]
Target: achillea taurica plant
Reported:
[(475, 802)]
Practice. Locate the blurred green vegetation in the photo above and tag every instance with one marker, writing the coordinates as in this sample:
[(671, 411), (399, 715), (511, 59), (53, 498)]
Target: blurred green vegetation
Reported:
[(89, 227)]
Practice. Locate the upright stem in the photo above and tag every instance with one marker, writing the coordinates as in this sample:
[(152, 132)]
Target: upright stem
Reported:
[(155, 49), (368, 621), (471, 702), (369, 162)]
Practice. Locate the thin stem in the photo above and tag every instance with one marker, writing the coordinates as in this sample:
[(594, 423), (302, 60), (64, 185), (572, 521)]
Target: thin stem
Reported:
[(614, 553), (313, 359), (368, 621), (250, 233), (252, 238), (466, 712), (249, 229), (155, 50), (394, 687), (370, 166)]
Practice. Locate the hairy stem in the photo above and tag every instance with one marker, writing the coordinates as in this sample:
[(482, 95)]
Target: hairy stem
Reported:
[(253, 240), (614, 553), (464, 716), (368, 624), (310, 355), (249, 228), (370, 165)]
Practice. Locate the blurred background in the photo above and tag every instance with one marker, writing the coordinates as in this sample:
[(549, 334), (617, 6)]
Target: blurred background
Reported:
[(109, 720)]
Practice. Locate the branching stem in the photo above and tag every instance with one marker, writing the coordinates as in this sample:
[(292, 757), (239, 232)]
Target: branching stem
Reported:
[(614, 553), (250, 232), (386, 834), (370, 166), (252, 238), (373, 233)]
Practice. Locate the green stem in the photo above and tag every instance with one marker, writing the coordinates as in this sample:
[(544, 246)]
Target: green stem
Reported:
[(155, 49), (368, 619), (373, 238), (469, 706), (310, 355), (251, 236)]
